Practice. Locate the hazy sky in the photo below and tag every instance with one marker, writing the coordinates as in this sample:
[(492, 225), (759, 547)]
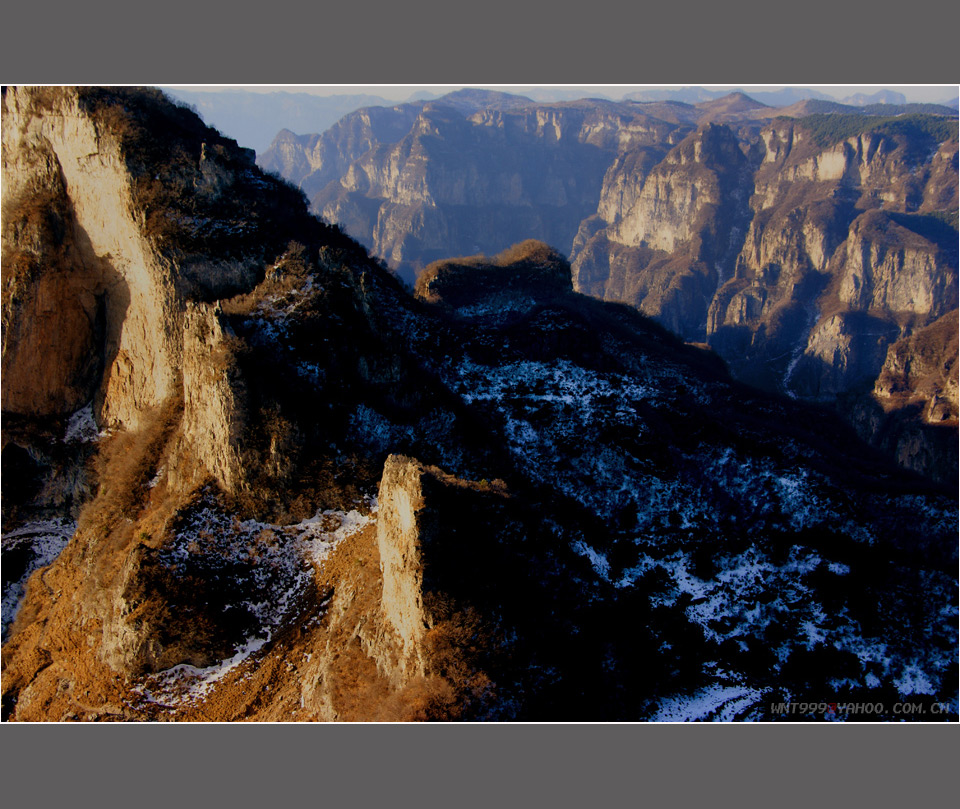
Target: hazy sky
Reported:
[(401, 92)]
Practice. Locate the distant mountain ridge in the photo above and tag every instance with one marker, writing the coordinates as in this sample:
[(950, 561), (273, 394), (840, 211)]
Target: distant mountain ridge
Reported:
[(253, 119), (729, 221), (772, 98)]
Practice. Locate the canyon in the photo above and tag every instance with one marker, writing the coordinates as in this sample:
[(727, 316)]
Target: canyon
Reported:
[(250, 474), (805, 244)]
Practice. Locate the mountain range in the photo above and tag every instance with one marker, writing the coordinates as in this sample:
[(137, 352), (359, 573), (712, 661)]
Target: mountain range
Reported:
[(252, 475), (254, 118)]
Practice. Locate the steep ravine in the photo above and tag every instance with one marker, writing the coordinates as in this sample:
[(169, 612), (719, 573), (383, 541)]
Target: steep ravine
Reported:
[(799, 248)]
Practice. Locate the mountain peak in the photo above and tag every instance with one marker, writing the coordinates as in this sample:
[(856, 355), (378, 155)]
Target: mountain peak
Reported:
[(475, 99), (732, 103)]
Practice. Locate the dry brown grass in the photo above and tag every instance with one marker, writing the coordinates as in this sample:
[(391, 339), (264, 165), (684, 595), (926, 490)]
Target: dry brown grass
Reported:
[(453, 650), (424, 699), (528, 254), (287, 277), (530, 251), (69, 680), (455, 685), (126, 462)]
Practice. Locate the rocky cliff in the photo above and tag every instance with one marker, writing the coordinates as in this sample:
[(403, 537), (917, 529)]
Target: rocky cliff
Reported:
[(806, 203), (498, 499), (471, 172), (137, 334), (670, 239), (851, 248)]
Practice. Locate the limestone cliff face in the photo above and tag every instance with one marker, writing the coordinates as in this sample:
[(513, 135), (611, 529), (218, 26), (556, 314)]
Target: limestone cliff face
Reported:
[(888, 267), (624, 179), (467, 180), (48, 293), (912, 409), (670, 229), (399, 540), (940, 189), (813, 257), (906, 169), (115, 243), (313, 161), (779, 269), (289, 155), (844, 248), (803, 199), (844, 351), (139, 332), (213, 405), (923, 368), (676, 195), (862, 161)]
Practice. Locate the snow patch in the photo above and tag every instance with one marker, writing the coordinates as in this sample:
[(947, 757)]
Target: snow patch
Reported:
[(276, 564), (34, 545), (82, 427), (717, 703), (184, 684), (914, 680), (597, 560), (317, 538)]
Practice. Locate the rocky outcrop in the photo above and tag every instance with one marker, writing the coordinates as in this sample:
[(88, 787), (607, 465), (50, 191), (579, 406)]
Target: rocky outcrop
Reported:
[(890, 268), (912, 409), (698, 175), (399, 540), (530, 271), (413, 583), (843, 352), (289, 155), (438, 538), (667, 245), (922, 368), (214, 414)]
